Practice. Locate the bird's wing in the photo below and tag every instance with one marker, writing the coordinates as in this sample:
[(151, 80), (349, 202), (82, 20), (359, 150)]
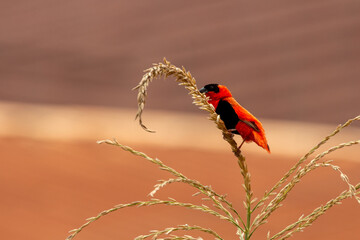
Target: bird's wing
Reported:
[(251, 124), (244, 115)]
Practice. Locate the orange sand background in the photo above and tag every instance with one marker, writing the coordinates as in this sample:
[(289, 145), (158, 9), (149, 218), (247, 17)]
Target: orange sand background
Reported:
[(50, 187), (52, 182)]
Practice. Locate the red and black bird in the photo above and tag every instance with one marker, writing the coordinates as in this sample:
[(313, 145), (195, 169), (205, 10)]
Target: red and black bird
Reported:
[(236, 118)]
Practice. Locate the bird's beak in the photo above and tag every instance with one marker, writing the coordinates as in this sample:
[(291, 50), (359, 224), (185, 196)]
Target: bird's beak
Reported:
[(203, 90)]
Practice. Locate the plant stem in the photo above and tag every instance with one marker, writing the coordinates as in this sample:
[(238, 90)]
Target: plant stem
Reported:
[(248, 222), (247, 186)]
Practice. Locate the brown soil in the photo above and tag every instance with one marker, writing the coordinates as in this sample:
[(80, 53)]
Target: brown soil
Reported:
[(284, 60)]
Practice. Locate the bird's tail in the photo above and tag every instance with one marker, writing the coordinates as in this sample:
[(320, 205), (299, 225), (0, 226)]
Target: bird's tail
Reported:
[(260, 140)]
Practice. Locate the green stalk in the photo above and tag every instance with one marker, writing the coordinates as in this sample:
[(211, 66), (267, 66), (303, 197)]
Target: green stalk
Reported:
[(248, 222)]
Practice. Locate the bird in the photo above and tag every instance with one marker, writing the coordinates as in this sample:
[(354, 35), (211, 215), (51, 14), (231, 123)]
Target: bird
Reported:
[(237, 119)]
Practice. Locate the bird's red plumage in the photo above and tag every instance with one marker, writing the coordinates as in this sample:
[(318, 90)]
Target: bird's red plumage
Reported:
[(247, 132)]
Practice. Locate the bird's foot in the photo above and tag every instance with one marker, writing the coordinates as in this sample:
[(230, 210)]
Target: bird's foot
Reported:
[(230, 131)]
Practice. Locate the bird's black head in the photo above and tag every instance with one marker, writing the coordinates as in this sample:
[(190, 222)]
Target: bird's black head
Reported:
[(210, 88)]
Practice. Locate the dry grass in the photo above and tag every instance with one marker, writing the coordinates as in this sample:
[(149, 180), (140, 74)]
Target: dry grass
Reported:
[(244, 228)]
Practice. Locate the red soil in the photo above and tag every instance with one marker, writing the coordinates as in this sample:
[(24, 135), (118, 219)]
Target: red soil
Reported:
[(49, 188)]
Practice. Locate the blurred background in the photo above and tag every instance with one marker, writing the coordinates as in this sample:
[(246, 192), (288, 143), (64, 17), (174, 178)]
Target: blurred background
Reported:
[(66, 73)]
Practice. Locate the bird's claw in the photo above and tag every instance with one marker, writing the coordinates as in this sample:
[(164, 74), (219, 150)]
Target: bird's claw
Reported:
[(232, 131), (229, 132)]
